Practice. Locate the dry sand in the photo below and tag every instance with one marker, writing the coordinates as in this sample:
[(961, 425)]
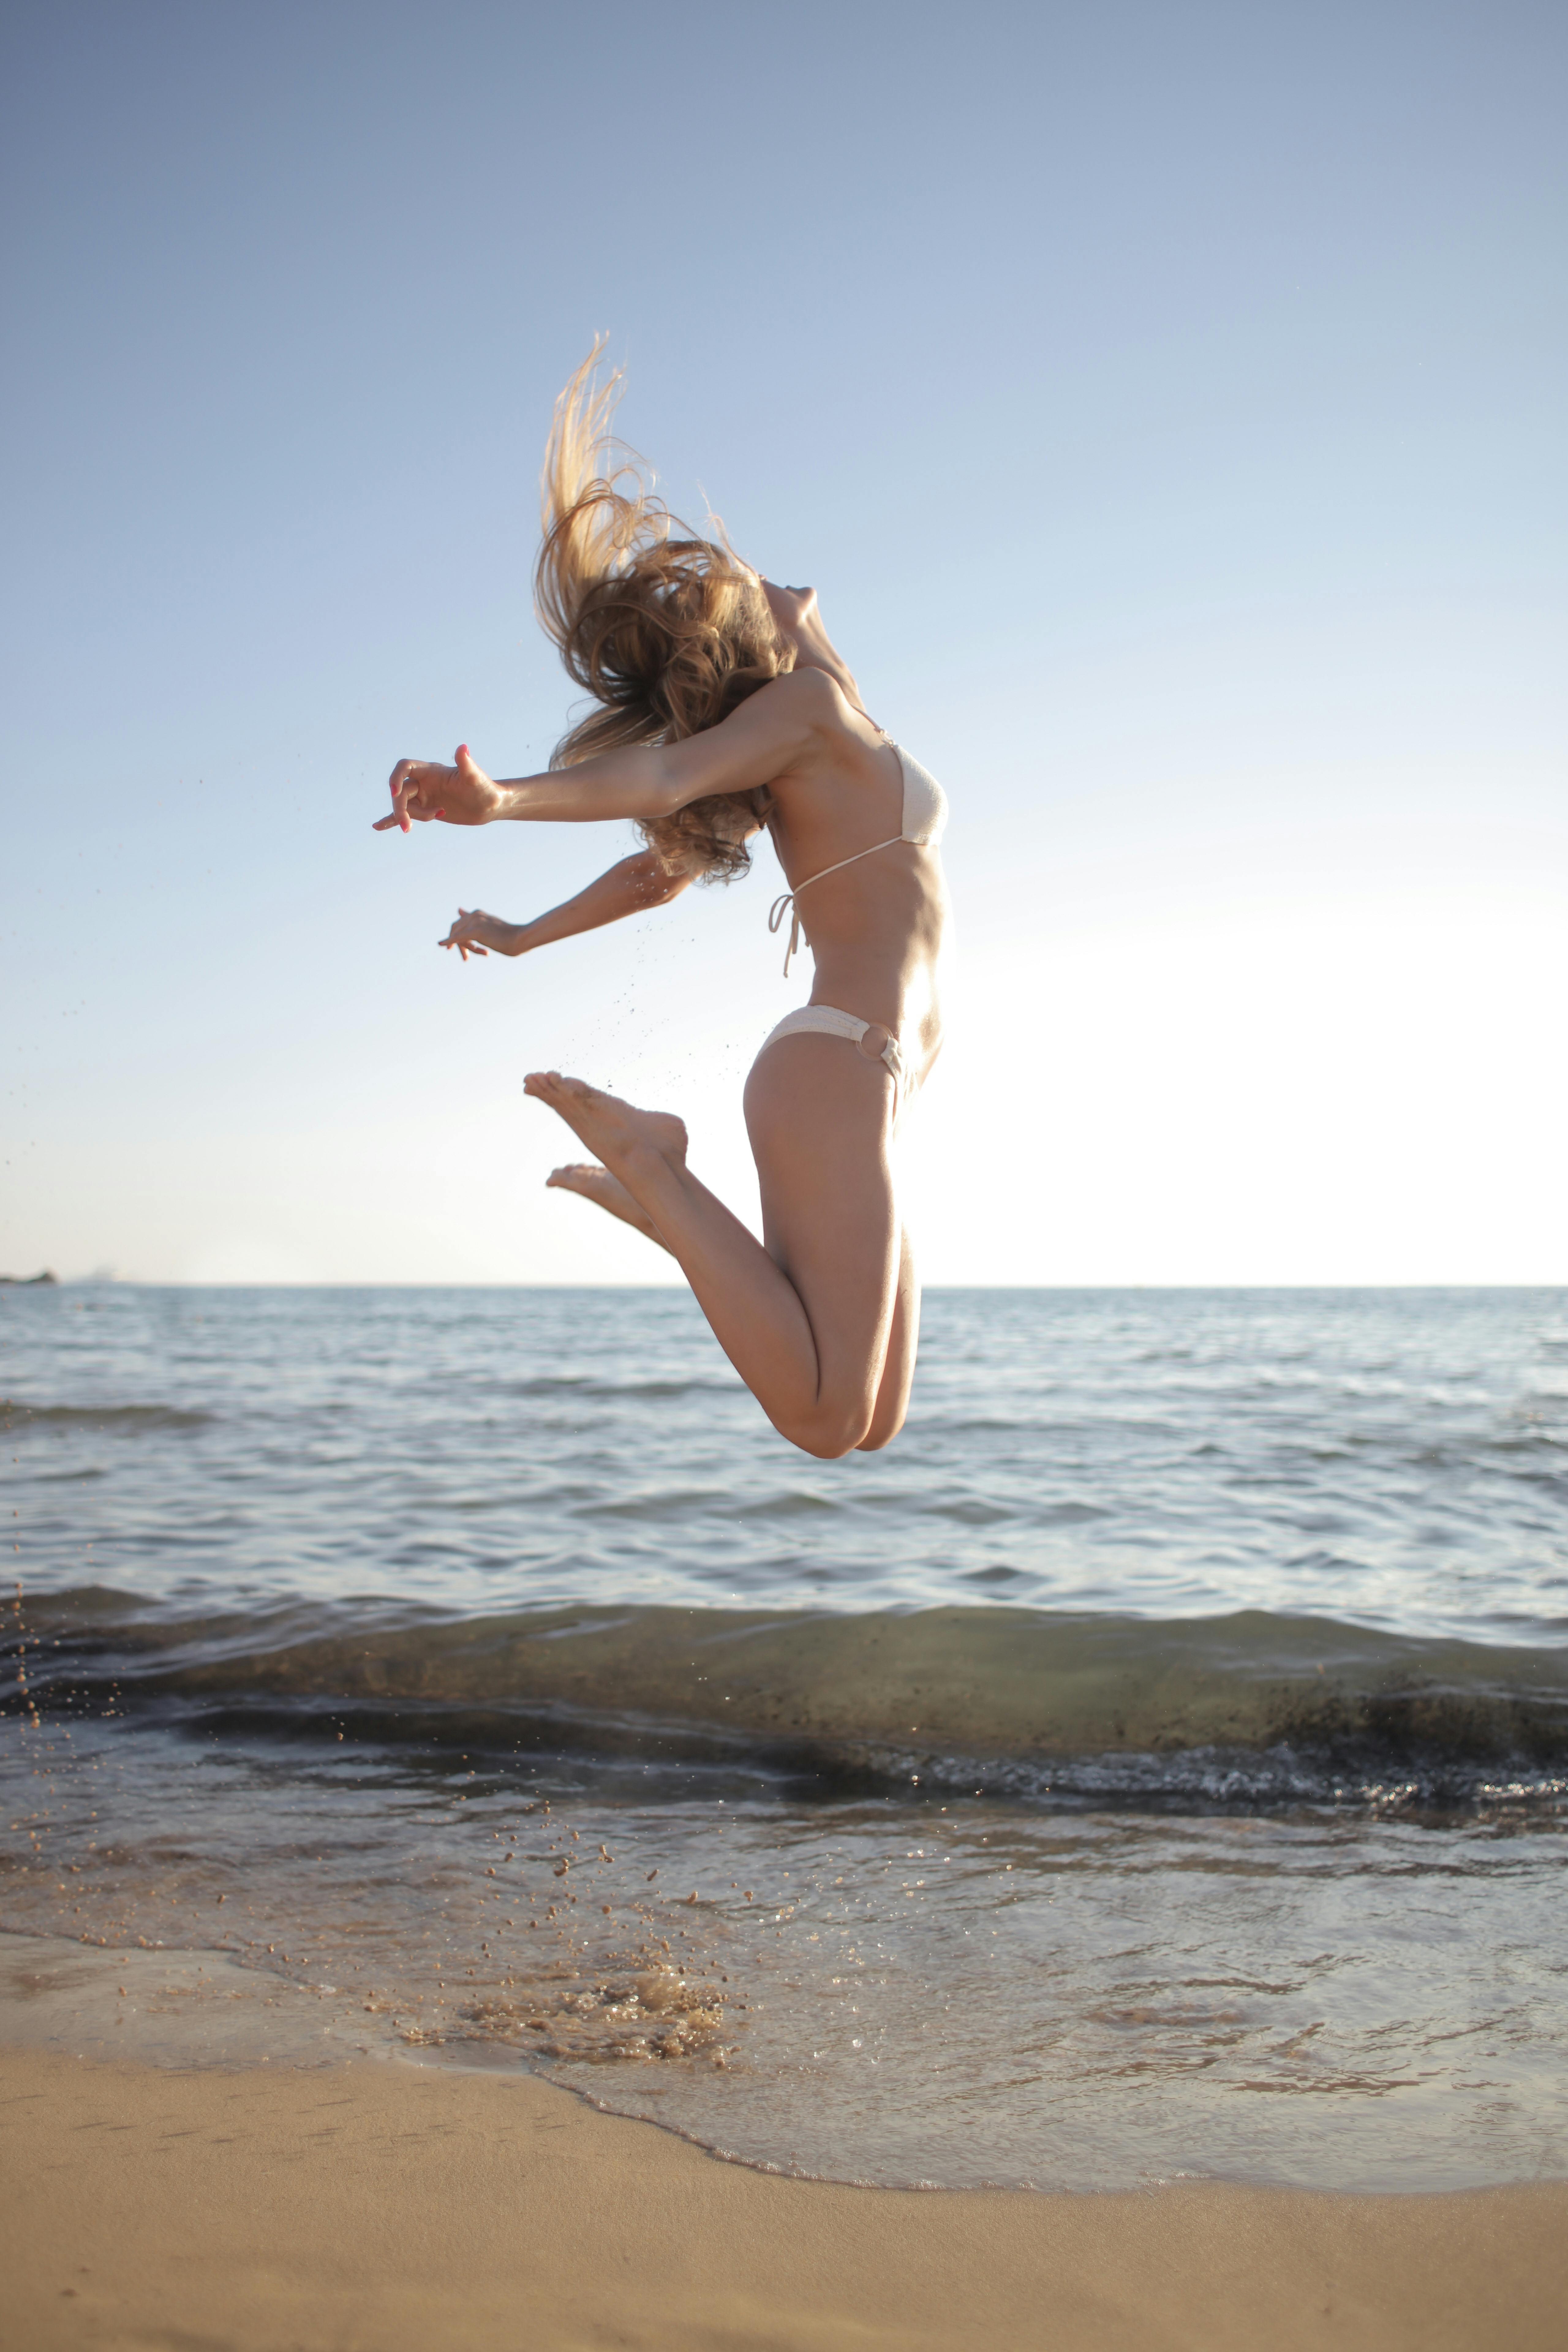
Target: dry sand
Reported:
[(372, 2207)]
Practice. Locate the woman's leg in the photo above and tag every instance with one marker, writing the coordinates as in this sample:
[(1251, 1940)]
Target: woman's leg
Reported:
[(899, 1364), (605, 1192), (806, 1321)]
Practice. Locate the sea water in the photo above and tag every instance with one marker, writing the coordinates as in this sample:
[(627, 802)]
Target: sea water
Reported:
[(1155, 1764)]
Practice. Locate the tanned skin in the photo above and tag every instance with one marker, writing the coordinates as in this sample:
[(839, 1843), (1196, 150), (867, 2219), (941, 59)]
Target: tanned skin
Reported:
[(821, 1317)]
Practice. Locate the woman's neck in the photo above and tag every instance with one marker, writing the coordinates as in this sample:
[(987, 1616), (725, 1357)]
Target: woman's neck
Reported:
[(798, 620)]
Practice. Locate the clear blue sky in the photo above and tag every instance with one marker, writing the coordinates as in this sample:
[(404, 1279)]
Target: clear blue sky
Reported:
[(1168, 404)]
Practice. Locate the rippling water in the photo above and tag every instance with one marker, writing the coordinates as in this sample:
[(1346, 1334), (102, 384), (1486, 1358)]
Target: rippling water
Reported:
[(1156, 1762)]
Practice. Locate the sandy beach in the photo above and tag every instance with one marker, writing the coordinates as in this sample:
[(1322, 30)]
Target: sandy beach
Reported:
[(376, 2205)]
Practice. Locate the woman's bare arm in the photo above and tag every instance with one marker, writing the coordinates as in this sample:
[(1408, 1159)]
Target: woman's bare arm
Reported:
[(626, 890), (770, 732)]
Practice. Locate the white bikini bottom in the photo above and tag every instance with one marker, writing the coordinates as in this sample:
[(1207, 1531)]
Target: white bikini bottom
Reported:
[(827, 1020)]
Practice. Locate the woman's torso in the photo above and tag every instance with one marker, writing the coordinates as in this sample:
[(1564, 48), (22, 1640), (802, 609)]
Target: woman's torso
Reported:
[(877, 925)]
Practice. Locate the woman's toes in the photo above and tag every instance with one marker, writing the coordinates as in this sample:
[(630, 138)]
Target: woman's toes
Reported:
[(574, 1172)]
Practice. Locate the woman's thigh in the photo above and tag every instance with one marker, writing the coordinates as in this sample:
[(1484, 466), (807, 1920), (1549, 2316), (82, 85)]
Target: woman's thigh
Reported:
[(819, 1113)]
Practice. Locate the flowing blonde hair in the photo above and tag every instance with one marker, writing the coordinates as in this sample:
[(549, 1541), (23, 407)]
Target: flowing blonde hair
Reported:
[(668, 632)]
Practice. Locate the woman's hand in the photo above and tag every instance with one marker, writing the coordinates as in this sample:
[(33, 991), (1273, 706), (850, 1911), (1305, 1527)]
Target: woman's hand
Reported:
[(422, 789), (475, 933)]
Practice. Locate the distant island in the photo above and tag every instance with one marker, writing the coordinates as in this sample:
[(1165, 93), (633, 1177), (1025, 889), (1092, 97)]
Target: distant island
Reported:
[(23, 1279)]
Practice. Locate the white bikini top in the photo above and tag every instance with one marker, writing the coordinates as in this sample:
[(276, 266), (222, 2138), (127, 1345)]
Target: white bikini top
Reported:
[(925, 815)]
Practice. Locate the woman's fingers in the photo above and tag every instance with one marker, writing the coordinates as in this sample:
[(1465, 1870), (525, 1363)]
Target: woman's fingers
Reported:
[(416, 786), (399, 783), (461, 937)]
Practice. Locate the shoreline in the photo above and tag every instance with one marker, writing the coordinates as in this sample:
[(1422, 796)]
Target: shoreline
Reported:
[(358, 2203)]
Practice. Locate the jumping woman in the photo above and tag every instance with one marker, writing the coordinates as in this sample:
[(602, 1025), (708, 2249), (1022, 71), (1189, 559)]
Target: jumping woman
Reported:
[(725, 709)]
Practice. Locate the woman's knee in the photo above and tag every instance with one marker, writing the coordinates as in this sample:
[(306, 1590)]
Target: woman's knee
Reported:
[(830, 1431), (884, 1426)]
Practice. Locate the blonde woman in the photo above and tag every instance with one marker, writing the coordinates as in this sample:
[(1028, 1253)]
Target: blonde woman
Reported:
[(723, 709)]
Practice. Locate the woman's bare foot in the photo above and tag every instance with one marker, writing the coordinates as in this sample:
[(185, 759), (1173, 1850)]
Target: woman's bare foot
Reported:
[(614, 1132), (607, 1191)]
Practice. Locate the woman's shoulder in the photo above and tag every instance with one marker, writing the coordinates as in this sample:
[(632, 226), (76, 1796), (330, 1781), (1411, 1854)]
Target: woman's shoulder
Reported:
[(794, 712), (812, 698), (808, 689), (791, 728)]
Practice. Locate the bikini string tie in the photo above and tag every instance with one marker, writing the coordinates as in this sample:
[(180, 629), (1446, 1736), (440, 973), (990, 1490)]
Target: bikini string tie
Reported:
[(776, 917), (789, 896)]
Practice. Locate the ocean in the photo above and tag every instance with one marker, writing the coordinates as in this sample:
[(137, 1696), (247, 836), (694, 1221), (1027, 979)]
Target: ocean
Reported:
[(1153, 1766)]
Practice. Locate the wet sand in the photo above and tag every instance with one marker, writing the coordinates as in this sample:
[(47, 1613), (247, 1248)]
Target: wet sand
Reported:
[(375, 2207)]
